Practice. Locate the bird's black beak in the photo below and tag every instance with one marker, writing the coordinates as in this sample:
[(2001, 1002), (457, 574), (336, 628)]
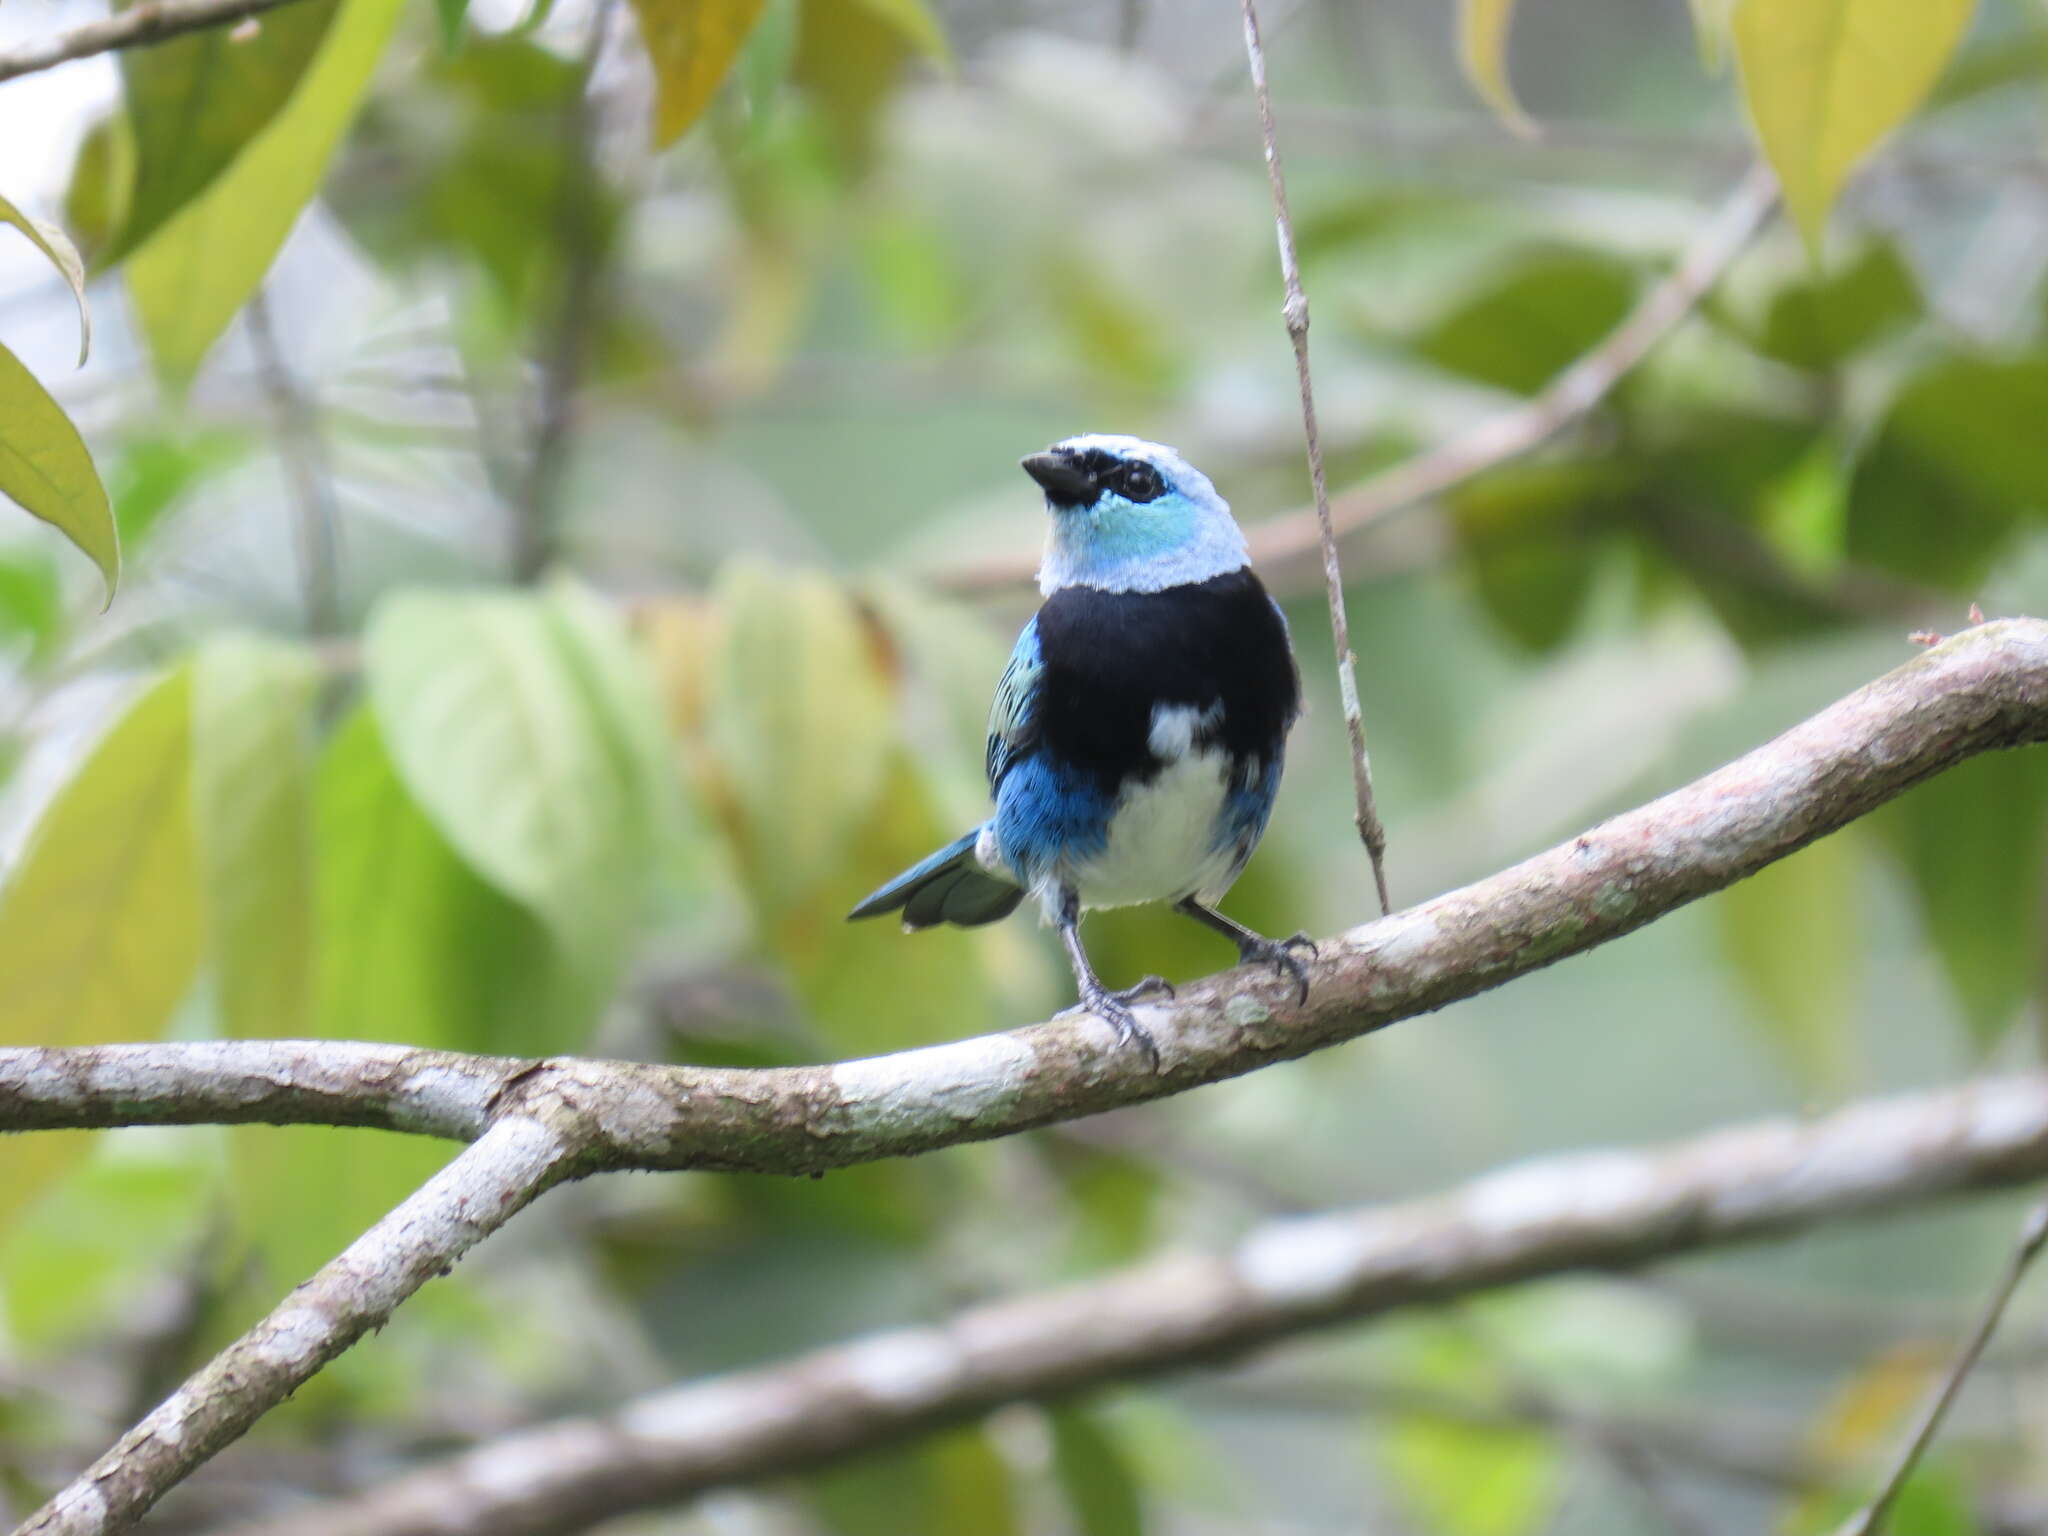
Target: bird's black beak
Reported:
[(1065, 486)]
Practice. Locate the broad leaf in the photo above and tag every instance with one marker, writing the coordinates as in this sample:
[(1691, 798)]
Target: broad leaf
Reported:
[(411, 945), (1095, 1476), (692, 44), (45, 468), (190, 278), (1483, 51), (1532, 320), (196, 101), (1527, 536), (1958, 458), (488, 712), (56, 245), (1974, 840), (1826, 80), (252, 795), (1823, 321), (801, 722), (1793, 934), (102, 177), (100, 919)]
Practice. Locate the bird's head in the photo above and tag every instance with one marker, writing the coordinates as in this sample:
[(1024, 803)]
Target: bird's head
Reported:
[(1130, 516)]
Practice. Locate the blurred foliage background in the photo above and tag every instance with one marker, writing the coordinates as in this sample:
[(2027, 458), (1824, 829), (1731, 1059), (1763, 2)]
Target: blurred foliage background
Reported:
[(556, 586)]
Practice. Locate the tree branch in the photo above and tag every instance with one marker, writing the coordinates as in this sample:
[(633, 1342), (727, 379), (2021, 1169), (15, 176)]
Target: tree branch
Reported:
[(1280, 543), (479, 1191), (1593, 1210), (535, 1122), (149, 22), (1985, 688)]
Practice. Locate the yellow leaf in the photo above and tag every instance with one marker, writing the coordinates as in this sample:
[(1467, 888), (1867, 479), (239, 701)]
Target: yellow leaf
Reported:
[(56, 245), (45, 468), (99, 922), (1827, 80), (1483, 51), (691, 43), (191, 276), (916, 23)]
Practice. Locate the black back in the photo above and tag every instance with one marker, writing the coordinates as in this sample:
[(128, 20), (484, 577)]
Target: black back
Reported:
[(1109, 657)]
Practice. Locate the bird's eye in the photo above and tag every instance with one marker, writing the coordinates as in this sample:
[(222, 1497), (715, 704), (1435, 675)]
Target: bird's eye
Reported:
[(1139, 482)]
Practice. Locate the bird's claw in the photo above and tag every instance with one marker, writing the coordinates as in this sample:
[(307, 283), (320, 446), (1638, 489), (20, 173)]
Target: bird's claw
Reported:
[(1149, 986), (1114, 1009), (1283, 955)]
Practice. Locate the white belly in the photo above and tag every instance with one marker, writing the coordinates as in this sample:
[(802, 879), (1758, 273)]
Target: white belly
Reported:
[(1162, 839)]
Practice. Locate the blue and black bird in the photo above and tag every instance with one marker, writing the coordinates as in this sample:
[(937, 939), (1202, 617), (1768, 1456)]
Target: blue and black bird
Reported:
[(1135, 744)]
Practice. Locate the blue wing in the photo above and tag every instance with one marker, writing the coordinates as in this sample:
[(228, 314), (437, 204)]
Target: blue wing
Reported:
[(1013, 718)]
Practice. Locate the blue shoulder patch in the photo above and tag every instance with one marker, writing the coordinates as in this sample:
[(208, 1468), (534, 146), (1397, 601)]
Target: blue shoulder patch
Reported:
[(1013, 717)]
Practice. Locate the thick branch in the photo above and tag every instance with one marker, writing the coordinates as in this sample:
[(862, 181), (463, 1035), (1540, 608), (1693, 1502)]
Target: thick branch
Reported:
[(1596, 1210), (479, 1191), (1986, 688), (150, 22)]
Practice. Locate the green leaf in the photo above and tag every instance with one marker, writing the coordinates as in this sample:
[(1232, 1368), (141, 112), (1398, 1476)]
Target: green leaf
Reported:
[(252, 795), (102, 178), (1956, 460), (56, 245), (849, 55), (954, 1482), (1823, 321), (451, 14), (801, 722), (411, 944), (914, 21), (691, 44), (104, 1235), (1532, 320), (189, 278), (1483, 53), (30, 604), (489, 713), (1793, 934), (1826, 80), (46, 470), (1528, 533), (1464, 1479), (1095, 1476), (100, 920), (196, 101), (1972, 841)]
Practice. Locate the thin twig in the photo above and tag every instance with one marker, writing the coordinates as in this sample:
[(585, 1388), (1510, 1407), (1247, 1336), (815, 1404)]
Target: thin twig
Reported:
[(2033, 1236), (150, 22), (582, 256), (303, 452), (1370, 831)]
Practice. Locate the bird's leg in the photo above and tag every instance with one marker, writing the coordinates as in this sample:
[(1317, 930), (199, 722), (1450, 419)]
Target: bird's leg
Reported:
[(1284, 955), (1112, 1007)]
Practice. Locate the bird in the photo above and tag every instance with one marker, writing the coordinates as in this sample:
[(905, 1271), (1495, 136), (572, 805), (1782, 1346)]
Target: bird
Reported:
[(1137, 736)]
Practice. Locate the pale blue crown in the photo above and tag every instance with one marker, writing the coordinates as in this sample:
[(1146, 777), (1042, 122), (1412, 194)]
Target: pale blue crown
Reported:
[(1185, 535)]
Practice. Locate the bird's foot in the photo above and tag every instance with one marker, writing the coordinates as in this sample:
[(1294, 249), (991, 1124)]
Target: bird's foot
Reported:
[(1114, 1009), (1284, 955)]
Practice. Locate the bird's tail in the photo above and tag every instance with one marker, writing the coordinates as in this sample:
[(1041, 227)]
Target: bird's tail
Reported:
[(949, 887)]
